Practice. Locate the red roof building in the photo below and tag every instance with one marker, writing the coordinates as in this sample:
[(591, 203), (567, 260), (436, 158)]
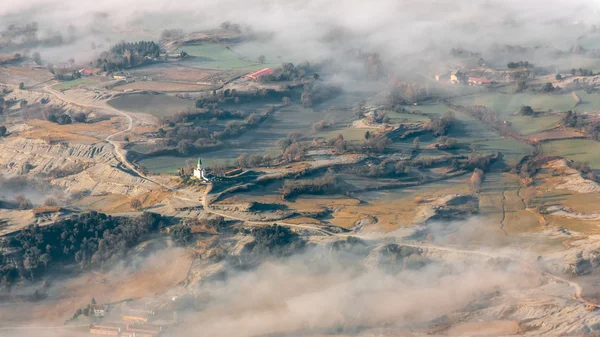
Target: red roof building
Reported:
[(86, 71), (479, 80), (260, 73)]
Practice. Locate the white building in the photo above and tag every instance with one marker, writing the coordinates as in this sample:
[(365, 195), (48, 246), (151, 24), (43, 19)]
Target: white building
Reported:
[(200, 172), (99, 310)]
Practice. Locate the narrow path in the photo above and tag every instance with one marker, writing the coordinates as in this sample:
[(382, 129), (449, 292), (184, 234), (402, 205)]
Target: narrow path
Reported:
[(503, 212)]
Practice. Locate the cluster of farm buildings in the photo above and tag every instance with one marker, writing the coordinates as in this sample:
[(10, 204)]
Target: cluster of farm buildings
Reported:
[(458, 77), (135, 323)]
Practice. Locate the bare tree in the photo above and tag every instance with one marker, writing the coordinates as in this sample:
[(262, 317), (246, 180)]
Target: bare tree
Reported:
[(22, 202), (476, 180), (417, 143), (136, 204), (50, 201)]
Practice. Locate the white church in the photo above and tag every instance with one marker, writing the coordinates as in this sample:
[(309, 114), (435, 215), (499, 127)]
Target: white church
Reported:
[(200, 172)]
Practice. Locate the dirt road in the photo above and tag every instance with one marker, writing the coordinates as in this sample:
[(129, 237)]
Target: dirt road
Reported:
[(117, 148)]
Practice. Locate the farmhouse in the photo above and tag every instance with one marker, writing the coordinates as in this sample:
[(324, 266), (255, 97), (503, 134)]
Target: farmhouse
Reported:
[(99, 310), (258, 74), (478, 80), (457, 77), (86, 71)]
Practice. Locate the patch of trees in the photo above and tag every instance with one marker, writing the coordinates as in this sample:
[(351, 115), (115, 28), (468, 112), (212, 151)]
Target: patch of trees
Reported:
[(24, 36), (580, 121), (526, 110), (319, 126), (379, 117), (440, 126), (255, 160), (463, 53), (582, 72), (55, 114), (3, 131), (406, 93), (181, 235), (586, 170), (371, 145), (171, 34), (90, 239), (468, 163), (64, 73), (127, 54), (528, 167), (233, 96), (275, 241), (519, 64), (287, 72), (318, 92), (394, 258), (292, 149), (187, 139), (374, 64), (476, 161), (386, 169), (445, 143), (322, 185), (548, 87), (212, 113), (234, 27), (476, 180)]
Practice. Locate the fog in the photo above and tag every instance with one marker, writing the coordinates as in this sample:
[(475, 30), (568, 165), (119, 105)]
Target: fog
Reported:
[(353, 291), (308, 295), (34, 191), (400, 30), (319, 292)]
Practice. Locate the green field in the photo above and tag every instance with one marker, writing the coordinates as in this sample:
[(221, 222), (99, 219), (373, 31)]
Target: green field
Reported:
[(395, 116), (471, 131), (507, 104), (589, 102), (262, 140), (217, 56), (431, 109), (156, 105), (70, 84), (583, 150)]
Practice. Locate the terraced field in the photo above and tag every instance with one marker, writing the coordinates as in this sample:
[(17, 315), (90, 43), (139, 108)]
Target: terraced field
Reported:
[(583, 150)]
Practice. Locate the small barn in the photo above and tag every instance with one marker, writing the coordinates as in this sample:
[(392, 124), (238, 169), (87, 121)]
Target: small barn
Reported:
[(478, 80), (256, 75)]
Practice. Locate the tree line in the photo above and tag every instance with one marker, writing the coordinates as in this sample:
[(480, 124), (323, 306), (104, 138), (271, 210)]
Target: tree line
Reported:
[(90, 240)]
